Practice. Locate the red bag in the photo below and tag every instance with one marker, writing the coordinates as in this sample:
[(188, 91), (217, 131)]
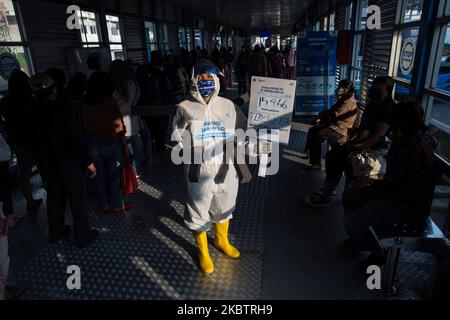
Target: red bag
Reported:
[(129, 180)]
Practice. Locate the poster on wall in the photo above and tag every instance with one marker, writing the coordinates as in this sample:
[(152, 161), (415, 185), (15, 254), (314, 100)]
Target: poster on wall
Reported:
[(271, 106), (316, 71)]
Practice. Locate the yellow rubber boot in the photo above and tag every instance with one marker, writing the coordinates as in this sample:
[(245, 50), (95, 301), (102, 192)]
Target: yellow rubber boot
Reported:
[(206, 264), (221, 240)]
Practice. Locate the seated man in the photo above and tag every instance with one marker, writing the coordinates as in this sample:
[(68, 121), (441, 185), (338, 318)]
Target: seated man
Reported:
[(332, 124), (373, 131), (406, 193)]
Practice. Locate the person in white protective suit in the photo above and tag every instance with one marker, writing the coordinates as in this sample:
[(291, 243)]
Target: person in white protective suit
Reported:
[(213, 184)]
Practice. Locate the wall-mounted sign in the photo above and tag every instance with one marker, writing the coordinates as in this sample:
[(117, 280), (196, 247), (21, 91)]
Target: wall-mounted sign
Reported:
[(8, 63), (407, 56), (316, 71)]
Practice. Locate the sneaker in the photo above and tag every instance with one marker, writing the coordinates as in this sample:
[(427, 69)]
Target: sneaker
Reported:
[(320, 192), (92, 236), (15, 292), (317, 201)]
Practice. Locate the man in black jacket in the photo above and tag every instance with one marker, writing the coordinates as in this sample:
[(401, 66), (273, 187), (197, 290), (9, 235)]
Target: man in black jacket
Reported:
[(64, 160)]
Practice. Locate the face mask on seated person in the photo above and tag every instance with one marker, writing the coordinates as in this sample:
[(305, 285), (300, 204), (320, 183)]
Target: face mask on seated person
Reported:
[(206, 87)]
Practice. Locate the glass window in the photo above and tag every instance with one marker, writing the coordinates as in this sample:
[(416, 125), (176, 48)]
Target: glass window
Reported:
[(9, 28), (443, 148), (358, 53), (412, 10), (163, 38), (440, 119), (88, 29), (117, 52), (443, 80), (113, 24), (317, 26), (332, 18), (440, 114), (356, 78), (182, 37), (407, 52), (11, 42), (150, 32), (189, 39)]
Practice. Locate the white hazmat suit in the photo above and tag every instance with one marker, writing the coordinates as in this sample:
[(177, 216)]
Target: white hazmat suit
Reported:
[(210, 201)]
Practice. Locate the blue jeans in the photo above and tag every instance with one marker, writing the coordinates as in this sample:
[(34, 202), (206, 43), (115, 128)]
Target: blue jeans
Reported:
[(135, 155), (106, 153)]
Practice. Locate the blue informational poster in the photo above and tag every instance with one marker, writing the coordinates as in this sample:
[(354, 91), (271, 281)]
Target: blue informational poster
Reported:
[(316, 71)]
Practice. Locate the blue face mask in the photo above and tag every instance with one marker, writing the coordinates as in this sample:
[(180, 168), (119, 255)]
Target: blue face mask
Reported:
[(206, 87)]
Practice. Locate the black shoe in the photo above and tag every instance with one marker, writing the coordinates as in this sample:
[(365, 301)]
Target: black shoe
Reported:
[(372, 260), (15, 292), (92, 235)]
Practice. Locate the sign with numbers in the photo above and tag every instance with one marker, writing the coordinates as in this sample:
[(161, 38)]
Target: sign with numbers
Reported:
[(271, 106)]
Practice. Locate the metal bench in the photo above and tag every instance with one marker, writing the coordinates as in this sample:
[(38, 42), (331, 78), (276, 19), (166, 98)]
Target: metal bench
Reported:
[(395, 238)]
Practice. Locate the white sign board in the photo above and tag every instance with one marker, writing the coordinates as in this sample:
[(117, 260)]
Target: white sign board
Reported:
[(271, 106), (8, 63)]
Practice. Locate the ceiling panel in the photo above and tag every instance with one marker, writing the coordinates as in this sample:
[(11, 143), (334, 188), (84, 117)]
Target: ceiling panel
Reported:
[(249, 14)]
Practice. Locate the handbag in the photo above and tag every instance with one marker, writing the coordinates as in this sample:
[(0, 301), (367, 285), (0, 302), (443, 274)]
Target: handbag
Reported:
[(129, 180)]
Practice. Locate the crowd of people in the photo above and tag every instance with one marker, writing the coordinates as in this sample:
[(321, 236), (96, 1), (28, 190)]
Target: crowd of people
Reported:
[(86, 128), (388, 161)]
